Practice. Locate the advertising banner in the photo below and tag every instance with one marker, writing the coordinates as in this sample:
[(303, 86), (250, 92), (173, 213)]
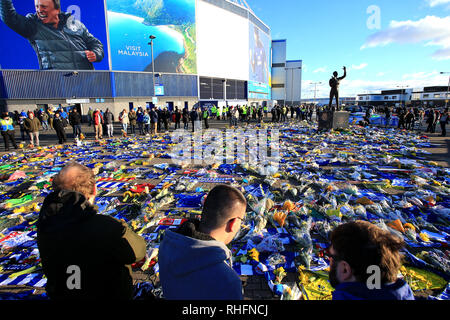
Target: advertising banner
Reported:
[(259, 55), (172, 22), (42, 36), (258, 90)]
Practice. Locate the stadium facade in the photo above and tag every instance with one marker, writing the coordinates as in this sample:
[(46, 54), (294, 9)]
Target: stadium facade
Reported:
[(205, 52)]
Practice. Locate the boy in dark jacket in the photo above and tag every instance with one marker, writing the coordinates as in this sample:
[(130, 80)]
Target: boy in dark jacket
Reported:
[(364, 263), (58, 125), (84, 255)]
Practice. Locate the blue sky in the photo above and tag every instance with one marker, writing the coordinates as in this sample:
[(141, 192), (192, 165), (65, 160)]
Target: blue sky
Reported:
[(410, 47)]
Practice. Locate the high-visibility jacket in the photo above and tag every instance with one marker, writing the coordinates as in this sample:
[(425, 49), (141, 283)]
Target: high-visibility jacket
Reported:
[(244, 110), (6, 125)]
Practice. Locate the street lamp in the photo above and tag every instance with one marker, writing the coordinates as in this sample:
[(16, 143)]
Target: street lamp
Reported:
[(315, 89), (448, 89), (152, 37)]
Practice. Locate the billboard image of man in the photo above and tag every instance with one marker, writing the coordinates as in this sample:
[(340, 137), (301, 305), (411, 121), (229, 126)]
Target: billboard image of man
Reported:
[(259, 59), (60, 41)]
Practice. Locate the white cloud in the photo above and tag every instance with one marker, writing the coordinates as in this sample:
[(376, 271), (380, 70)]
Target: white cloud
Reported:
[(360, 67), (432, 30), (434, 3), (322, 69), (380, 74)]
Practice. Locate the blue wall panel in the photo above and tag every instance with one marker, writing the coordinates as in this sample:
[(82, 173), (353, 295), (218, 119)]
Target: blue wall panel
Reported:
[(20, 84), (128, 84)]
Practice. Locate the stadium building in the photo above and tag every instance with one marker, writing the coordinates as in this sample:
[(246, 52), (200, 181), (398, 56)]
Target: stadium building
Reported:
[(204, 52)]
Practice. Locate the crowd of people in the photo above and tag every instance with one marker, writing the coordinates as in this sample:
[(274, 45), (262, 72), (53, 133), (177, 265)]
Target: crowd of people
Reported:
[(152, 120)]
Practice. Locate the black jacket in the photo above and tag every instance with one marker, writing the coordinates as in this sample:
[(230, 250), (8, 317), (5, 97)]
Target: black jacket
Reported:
[(58, 124), (62, 48), (70, 232), (74, 119)]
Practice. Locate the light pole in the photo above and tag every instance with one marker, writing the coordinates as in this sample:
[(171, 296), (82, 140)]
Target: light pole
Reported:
[(448, 89), (152, 37), (315, 89)]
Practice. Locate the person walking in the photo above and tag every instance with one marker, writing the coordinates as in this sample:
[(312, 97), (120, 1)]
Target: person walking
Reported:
[(7, 130), (32, 126), (91, 116), (140, 120), (437, 115)]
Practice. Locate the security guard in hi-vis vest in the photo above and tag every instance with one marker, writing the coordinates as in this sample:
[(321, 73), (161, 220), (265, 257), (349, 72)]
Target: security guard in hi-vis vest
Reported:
[(7, 130)]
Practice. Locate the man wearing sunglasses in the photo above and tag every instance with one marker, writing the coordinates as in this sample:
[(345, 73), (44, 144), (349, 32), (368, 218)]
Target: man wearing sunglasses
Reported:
[(194, 261), (358, 248)]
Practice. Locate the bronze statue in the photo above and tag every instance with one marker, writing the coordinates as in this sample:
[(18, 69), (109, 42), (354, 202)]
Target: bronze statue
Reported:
[(334, 84)]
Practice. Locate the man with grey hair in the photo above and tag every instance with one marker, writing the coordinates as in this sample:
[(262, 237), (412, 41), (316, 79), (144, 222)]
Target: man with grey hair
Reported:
[(84, 255)]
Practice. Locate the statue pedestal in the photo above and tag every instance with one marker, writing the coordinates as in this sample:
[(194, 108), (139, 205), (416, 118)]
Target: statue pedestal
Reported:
[(334, 120)]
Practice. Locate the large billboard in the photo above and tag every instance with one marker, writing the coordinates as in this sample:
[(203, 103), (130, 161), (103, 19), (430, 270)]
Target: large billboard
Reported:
[(259, 55), (38, 37), (172, 22), (222, 43)]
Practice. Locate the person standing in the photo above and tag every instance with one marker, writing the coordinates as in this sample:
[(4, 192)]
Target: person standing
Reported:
[(32, 126), (206, 117), (124, 120), (140, 120), (23, 131), (437, 115), (194, 117), (58, 125), (44, 116), (75, 122), (75, 241), (177, 118), (7, 130), (186, 118), (358, 245), (132, 117), (444, 121), (194, 260), (430, 120), (147, 122), (409, 119), (154, 121), (109, 122), (98, 124), (166, 118)]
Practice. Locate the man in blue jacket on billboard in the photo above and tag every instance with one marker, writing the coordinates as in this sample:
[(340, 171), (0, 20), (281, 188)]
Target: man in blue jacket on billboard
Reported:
[(60, 41)]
